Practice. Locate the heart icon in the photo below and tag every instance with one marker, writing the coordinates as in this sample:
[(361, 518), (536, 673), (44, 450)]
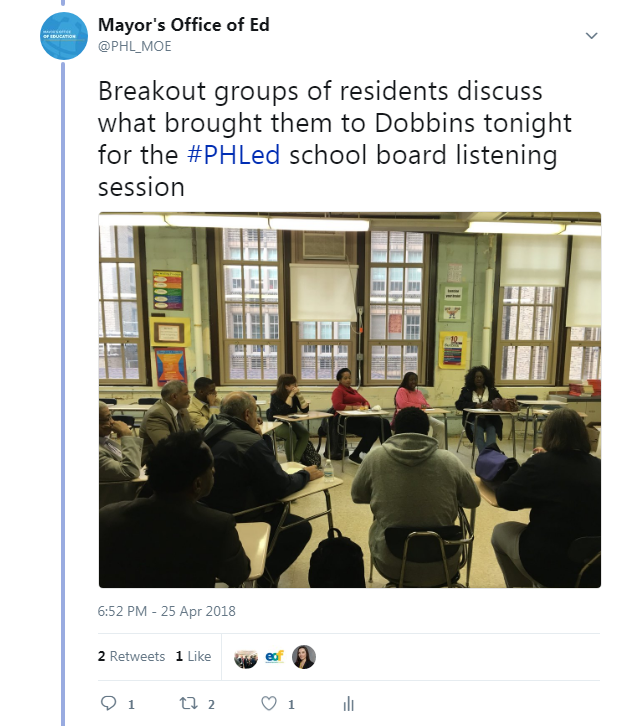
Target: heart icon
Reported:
[(269, 702)]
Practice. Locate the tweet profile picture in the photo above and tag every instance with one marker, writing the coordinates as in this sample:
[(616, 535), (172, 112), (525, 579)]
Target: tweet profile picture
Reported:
[(64, 36), (245, 659), (304, 656)]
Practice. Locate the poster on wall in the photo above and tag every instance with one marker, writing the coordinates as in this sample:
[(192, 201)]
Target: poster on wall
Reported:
[(452, 304), (170, 331), (453, 350), (167, 290), (170, 365)]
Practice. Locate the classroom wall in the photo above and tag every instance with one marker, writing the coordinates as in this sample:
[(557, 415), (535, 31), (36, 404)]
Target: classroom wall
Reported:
[(170, 248)]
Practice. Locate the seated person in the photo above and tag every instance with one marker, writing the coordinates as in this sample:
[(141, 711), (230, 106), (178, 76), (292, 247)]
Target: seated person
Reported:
[(345, 398), (117, 463), (165, 417), (204, 399), (248, 475), (285, 400), (478, 392), (410, 482), (408, 395), (561, 485), (171, 540)]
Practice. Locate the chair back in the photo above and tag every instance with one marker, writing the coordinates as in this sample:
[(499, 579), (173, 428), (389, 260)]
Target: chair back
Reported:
[(109, 401), (129, 420), (586, 551), (436, 544), (147, 401)]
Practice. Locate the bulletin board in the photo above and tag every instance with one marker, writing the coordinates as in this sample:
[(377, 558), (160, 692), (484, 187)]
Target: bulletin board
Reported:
[(175, 332), (170, 365), (452, 303), (168, 290), (452, 352)]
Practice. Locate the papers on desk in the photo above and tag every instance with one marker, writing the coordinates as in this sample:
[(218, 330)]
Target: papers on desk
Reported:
[(357, 413), (291, 467)]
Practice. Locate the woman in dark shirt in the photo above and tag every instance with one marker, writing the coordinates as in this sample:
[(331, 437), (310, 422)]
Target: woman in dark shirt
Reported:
[(478, 392), (561, 485), (345, 398), (286, 400)]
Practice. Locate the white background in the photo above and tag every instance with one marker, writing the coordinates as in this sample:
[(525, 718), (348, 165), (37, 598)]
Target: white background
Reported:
[(352, 43)]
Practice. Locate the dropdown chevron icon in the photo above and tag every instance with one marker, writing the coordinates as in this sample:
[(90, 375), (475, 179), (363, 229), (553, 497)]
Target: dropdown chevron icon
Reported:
[(592, 36)]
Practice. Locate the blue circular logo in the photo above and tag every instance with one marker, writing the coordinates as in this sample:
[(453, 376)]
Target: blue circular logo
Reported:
[(64, 36)]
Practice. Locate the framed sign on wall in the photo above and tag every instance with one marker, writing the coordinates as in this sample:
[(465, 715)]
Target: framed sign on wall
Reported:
[(452, 303)]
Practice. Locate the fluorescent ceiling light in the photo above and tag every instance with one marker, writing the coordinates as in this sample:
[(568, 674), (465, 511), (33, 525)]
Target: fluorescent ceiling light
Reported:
[(514, 228), (212, 220), (584, 230), (133, 220), (319, 224)]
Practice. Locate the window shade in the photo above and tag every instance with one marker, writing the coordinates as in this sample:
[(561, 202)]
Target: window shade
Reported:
[(533, 259), (323, 292), (584, 303)]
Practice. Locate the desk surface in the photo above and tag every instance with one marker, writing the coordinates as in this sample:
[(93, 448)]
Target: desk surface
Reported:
[(129, 407), (490, 412), (313, 487), (268, 426), (304, 416), (436, 411), (486, 492), (545, 412), (540, 403), (368, 412), (255, 541)]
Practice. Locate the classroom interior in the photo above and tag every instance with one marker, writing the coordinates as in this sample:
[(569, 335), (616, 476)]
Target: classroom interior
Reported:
[(255, 295)]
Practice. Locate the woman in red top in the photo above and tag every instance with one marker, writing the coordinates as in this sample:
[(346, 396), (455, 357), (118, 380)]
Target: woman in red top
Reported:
[(345, 398)]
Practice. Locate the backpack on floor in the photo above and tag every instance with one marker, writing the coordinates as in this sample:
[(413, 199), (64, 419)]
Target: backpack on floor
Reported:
[(310, 456), (338, 562)]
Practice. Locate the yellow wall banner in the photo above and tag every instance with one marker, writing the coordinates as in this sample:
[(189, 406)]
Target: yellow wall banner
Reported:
[(453, 350)]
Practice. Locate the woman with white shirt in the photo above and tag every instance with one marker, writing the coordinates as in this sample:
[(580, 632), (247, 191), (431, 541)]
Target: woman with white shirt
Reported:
[(479, 391)]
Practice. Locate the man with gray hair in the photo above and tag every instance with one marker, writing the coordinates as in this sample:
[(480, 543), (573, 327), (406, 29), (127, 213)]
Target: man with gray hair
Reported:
[(248, 475), (117, 463), (165, 417)]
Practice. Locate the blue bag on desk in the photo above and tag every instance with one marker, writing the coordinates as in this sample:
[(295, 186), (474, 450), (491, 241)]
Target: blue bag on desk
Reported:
[(494, 466)]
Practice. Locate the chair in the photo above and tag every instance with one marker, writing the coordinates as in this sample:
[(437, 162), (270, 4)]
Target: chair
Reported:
[(525, 416), (538, 424), (109, 401), (586, 551), (147, 401), (427, 546)]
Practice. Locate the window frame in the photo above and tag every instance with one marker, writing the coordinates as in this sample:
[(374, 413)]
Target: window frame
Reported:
[(141, 338), (551, 343), (315, 344), (421, 343), (250, 284), (570, 344)]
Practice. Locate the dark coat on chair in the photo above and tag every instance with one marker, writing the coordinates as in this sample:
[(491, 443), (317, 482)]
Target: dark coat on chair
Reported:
[(466, 401)]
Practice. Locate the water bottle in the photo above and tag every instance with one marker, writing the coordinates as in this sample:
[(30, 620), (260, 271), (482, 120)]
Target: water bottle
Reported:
[(328, 470)]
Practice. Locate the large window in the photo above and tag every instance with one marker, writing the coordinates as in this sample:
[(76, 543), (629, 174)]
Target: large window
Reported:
[(322, 348), (396, 303), (527, 329), (120, 324), (251, 305), (584, 355)]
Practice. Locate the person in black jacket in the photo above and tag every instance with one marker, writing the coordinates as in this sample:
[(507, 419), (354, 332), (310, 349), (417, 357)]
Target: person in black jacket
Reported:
[(248, 475), (170, 539), (285, 400), (478, 392), (561, 485)]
